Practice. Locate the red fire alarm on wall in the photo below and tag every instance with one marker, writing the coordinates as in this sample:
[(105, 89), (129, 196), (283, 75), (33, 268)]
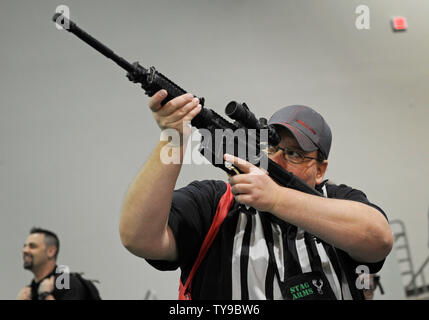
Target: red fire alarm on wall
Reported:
[(399, 24)]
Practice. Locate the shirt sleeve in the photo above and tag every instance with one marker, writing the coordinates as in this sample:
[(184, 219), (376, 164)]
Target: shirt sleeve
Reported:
[(347, 193), (192, 211)]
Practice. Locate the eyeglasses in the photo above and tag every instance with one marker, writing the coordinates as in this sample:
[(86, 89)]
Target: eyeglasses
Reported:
[(290, 155)]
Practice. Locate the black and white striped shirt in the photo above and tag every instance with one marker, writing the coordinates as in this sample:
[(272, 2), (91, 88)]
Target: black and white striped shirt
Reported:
[(254, 254)]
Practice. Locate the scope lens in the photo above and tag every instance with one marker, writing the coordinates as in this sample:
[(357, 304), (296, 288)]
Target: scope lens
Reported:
[(231, 108)]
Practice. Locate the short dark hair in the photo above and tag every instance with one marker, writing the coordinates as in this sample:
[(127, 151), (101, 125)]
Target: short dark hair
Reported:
[(320, 157), (51, 238)]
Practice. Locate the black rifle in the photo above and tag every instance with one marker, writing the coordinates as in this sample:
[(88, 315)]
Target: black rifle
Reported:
[(152, 81)]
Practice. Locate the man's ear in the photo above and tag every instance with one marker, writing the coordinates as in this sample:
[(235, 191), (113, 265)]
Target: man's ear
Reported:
[(52, 250), (321, 170)]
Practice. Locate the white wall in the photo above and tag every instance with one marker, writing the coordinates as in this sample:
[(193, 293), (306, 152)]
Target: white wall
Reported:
[(74, 132)]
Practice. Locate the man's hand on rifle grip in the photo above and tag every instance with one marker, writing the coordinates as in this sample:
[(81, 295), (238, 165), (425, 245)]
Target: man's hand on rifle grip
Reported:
[(177, 113)]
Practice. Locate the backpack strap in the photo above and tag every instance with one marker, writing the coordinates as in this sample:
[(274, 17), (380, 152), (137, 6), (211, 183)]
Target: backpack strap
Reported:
[(222, 210)]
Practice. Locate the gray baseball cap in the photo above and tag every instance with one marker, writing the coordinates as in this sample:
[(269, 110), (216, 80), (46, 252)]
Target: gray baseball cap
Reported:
[(307, 126)]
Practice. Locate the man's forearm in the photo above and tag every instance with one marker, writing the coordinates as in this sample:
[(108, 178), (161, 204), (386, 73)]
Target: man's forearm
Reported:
[(360, 230), (147, 203)]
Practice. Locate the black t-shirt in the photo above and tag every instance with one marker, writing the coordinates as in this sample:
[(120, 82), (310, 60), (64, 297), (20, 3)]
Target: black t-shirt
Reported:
[(223, 274), (75, 291)]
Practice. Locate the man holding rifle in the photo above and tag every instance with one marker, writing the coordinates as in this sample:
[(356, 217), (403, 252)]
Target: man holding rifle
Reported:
[(251, 238), (274, 242)]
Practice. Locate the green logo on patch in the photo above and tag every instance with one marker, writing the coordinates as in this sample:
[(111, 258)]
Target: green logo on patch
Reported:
[(301, 290)]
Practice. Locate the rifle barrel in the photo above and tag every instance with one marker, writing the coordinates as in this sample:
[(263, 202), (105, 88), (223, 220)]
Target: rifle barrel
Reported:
[(72, 27)]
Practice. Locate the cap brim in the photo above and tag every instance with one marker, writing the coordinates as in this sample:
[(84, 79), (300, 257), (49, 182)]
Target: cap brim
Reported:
[(304, 142)]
